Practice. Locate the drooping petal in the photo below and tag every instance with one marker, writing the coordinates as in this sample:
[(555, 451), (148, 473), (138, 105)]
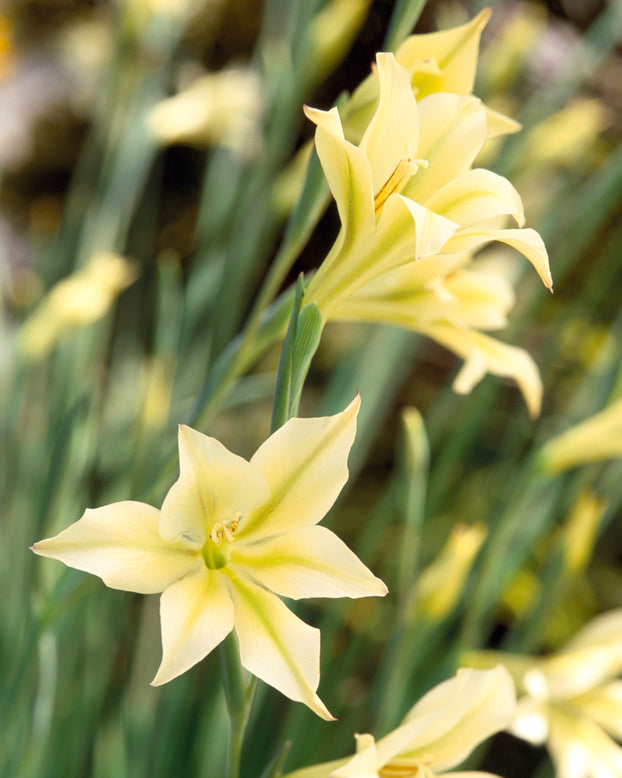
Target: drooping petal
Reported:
[(275, 645), (452, 131), (476, 195), (525, 240), (459, 714), (213, 485), (305, 464), (121, 544), (483, 354), (455, 50), (307, 562), (395, 123), (348, 174), (196, 615)]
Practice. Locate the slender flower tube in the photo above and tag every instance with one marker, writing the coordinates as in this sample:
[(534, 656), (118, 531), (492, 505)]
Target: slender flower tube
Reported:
[(572, 699), (230, 537), (438, 733)]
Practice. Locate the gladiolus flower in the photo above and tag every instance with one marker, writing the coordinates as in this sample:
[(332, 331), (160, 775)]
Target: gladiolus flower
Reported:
[(230, 537)]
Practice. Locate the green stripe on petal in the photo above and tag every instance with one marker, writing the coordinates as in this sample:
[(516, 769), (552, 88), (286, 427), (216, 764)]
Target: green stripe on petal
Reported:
[(307, 562), (196, 615), (305, 464), (277, 646), (213, 485), (347, 172), (121, 544)]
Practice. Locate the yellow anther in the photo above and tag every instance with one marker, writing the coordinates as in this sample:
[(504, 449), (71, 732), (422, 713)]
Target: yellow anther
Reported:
[(225, 530), (405, 168)]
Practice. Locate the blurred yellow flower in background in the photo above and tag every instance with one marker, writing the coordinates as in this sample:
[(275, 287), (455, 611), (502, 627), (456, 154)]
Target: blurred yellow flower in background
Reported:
[(78, 300), (439, 732), (595, 439), (222, 109), (231, 535), (572, 699)]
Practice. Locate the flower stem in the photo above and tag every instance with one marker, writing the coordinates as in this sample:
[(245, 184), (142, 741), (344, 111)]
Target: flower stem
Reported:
[(239, 695)]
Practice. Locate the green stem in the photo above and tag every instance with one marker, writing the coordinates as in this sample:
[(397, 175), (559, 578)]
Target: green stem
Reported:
[(239, 695)]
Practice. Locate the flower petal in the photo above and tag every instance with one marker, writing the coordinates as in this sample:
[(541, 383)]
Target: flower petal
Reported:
[(121, 544), (277, 646), (483, 354), (307, 562), (305, 464), (452, 131), (348, 174), (213, 484), (455, 50), (364, 764), (476, 195), (525, 240), (580, 749), (604, 705), (395, 123), (459, 714), (196, 615)]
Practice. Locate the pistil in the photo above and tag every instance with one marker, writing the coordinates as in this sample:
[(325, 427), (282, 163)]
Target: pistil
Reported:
[(405, 168)]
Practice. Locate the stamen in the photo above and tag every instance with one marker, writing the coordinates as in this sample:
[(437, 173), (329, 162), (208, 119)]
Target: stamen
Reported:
[(225, 530), (405, 168)]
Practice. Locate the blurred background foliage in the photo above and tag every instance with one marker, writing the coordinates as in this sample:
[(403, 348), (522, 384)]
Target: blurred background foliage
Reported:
[(155, 232)]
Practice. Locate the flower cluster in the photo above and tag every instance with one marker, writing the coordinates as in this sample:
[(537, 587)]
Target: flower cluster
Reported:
[(408, 193)]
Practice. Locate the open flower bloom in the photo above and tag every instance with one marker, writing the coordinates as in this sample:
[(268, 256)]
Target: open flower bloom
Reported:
[(572, 700), (231, 535), (451, 299), (438, 733)]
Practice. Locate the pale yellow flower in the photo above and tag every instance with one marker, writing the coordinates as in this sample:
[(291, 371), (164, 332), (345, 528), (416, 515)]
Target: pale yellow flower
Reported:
[(76, 301), (572, 699), (438, 733), (451, 299), (230, 537), (592, 440), (222, 109)]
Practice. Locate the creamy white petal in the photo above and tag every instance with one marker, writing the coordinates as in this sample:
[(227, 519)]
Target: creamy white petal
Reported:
[(525, 240), (452, 131), (307, 562), (477, 194), (348, 174), (196, 615), (364, 764), (305, 464), (483, 354), (462, 713), (275, 645), (121, 544), (395, 124), (213, 485)]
